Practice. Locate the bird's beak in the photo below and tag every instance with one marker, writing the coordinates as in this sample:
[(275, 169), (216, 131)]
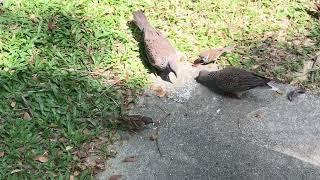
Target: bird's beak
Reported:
[(167, 78), (175, 73)]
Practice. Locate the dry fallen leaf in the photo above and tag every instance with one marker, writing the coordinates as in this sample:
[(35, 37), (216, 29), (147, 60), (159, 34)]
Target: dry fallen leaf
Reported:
[(13, 104), (35, 77), (52, 25), (26, 116), (160, 92), (86, 18), (63, 140), (60, 153), (21, 149), (76, 173), (119, 47), (129, 159), (90, 161), (71, 177), (1, 154), (127, 77), (68, 148), (15, 171), (33, 18), (100, 165), (115, 80), (42, 158), (257, 115), (115, 177), (130, 106)]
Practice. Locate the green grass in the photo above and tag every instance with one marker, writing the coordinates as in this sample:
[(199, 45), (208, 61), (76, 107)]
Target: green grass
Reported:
[(70, 65)]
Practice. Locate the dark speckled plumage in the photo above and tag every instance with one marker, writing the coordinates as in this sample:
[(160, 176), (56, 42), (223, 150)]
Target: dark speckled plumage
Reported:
[(231, 81), (135, 123), (161, 54)]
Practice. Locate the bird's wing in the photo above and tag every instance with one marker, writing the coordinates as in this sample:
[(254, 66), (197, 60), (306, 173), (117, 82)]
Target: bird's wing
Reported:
[(158, 48), (237, 80)]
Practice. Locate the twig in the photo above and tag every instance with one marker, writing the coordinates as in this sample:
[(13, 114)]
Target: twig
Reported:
[(157, 124), (27, 106), (315, 63), (157, 132), (161, 109)]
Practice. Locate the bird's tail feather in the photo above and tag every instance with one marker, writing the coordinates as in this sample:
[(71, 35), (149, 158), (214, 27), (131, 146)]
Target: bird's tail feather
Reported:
[(265, 80), (141, 20)]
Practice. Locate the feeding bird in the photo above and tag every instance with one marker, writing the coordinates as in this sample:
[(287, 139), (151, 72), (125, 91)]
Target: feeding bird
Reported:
[(231, 81), (160, 52), (135, 123)]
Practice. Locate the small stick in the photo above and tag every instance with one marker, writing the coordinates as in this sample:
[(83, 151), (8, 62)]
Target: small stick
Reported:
[(161, 109), (27, 106), (157, 132)]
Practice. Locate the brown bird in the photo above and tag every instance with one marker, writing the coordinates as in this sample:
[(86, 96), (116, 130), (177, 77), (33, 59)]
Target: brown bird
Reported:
[(160, 53), (135, 123), (211, 55), (231, 81)]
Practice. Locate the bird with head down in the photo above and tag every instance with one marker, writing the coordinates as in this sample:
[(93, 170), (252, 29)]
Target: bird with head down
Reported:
[(135, 123), (160, 52), (231, 81)]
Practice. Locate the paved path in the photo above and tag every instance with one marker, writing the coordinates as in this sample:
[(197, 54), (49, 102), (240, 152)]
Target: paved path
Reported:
[(210, 136)]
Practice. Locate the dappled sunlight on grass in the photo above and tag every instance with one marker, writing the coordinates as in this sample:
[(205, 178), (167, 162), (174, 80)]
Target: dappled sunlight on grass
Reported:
[(68, 67)]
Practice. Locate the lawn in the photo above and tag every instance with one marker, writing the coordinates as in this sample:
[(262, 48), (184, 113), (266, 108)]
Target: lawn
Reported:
[(67, 68)]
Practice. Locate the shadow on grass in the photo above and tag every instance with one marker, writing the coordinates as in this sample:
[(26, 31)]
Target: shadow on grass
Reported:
[(47, 111), (50, 104), (291, 61), (138, 36)]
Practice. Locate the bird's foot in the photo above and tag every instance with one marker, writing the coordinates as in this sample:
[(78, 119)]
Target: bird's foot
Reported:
[(237, 95)]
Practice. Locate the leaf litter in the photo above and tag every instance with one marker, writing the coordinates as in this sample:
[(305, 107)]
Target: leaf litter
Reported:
[(42, 158)]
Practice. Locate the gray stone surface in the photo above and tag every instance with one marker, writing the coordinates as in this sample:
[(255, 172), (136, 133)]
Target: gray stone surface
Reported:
[(208, 136)]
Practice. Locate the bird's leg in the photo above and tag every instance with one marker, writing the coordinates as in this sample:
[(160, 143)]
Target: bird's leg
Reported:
[(238, 94)]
